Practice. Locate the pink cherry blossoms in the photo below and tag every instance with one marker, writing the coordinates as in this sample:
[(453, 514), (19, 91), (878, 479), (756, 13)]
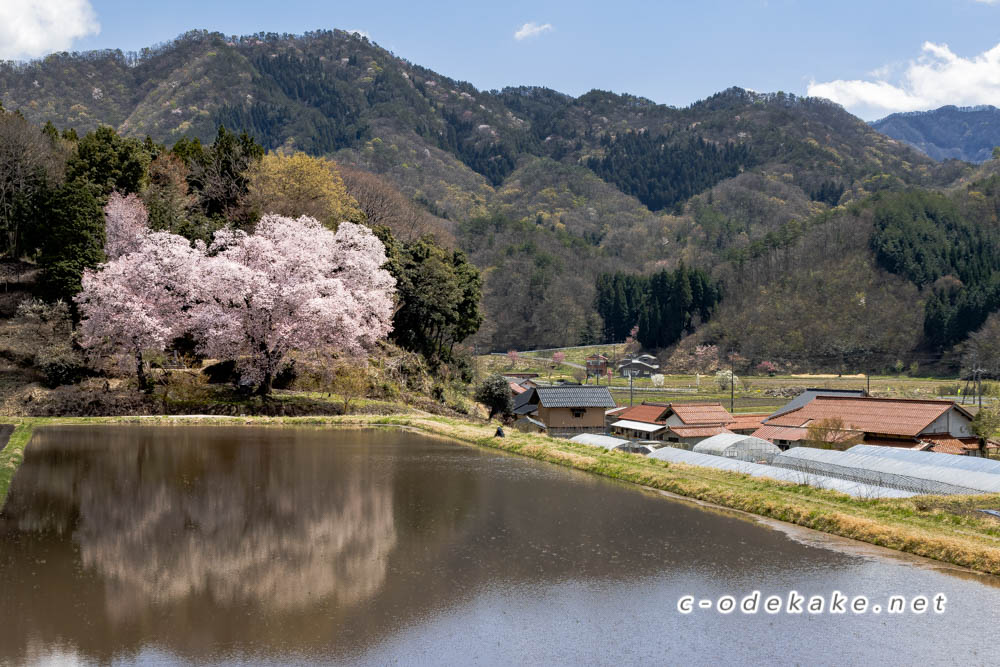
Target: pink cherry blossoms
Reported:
[(250, 298), (126, 223), (292, 285)]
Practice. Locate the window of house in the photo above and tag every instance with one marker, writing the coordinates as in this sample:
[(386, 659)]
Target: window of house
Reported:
[(578, 412), (673, 439)]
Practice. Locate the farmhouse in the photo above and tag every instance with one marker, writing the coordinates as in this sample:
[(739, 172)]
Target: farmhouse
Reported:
[(640, 367), (519, 385), (597, 365), (811, 393), (934, 425), (682, 423), (746, 423), (566, 410)]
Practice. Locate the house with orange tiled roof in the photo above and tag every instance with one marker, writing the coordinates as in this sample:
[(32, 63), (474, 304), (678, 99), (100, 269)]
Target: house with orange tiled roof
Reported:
[(747, 422), (934, 425), (681, 423)]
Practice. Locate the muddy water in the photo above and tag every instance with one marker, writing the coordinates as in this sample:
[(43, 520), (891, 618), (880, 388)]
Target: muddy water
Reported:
[(238, 544)]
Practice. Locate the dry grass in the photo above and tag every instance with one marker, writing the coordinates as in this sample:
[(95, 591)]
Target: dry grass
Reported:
[(947, 529)]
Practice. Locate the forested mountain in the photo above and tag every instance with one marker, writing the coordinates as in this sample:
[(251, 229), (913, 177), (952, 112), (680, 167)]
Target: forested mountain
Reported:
[(546, 192), (961, 133)]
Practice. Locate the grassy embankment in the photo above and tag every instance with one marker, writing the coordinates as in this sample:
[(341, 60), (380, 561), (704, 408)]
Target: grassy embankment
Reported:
[(12, 455), (945, 528)]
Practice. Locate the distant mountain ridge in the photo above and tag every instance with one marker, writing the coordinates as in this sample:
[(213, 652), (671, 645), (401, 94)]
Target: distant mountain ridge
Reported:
[(951, 132)]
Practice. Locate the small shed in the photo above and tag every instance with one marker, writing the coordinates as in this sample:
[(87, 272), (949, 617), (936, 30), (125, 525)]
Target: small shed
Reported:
[(737, 446), (527, 424)]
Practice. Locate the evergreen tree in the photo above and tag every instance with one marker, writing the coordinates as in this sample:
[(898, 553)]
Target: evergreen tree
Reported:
[(74, 240), (438, 292), (663, 304), (494, 393), (109, 161)]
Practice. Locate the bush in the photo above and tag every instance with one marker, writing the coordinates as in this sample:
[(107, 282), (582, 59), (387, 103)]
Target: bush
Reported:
[(221, 372), (61, 367), (494, 393)]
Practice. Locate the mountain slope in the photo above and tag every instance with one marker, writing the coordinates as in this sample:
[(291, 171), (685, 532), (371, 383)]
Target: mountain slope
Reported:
[(961, 133), (546, 190)]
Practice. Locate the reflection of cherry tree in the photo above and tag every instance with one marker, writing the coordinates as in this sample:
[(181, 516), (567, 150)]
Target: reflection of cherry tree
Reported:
[(249, 526)]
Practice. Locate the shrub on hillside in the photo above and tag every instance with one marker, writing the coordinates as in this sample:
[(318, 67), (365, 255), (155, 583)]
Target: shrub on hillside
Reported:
[(61, 366), (494, 393)]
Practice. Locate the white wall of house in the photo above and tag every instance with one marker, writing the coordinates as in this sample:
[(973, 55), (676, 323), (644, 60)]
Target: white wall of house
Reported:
[(953, 422)]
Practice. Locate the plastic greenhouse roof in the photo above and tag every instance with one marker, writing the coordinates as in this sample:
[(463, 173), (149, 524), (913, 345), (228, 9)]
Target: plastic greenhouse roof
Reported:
[(973, 463), (638, 426), (856, 489), (731, 444), (885, 471), (595, 440)]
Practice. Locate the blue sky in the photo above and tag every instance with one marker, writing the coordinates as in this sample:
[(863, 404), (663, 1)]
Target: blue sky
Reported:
[(873, 57)]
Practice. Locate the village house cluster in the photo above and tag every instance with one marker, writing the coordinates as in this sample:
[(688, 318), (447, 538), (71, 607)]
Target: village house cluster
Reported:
[(835, 417), (836, 439)]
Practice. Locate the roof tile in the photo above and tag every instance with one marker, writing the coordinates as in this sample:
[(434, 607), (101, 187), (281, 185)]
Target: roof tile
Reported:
[(744, 422), (701, 413), (575, 396), (652, 414), (872, 415), (772, 433), (698, 431)]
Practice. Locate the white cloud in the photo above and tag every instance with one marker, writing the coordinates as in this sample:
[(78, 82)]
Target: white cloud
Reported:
[(936, 78), (360, 33), (531, 29), (30, 28)]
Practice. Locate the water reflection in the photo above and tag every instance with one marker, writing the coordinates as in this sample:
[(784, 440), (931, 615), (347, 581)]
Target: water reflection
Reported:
[(234, 522), (253, 544)]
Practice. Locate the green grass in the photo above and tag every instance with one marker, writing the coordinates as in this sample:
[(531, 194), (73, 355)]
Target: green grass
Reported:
[(944, 528), (12, 455)]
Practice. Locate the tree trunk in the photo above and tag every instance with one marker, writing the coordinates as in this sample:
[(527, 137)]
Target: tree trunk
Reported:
[(140, 373), (265, 386)]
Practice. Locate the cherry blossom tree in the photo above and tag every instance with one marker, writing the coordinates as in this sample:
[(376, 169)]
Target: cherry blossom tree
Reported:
[(126, 223), (249, 298), (138, 301), (291, 285)]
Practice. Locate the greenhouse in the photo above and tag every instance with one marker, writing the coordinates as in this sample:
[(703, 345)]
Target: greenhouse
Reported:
[(856, 489), (595, 440), (735, 446), (890, 472), (974, 463)]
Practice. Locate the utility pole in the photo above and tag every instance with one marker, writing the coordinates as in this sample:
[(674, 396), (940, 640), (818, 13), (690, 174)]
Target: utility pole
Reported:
[(979, 386), (631, 375), (732, 383)]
